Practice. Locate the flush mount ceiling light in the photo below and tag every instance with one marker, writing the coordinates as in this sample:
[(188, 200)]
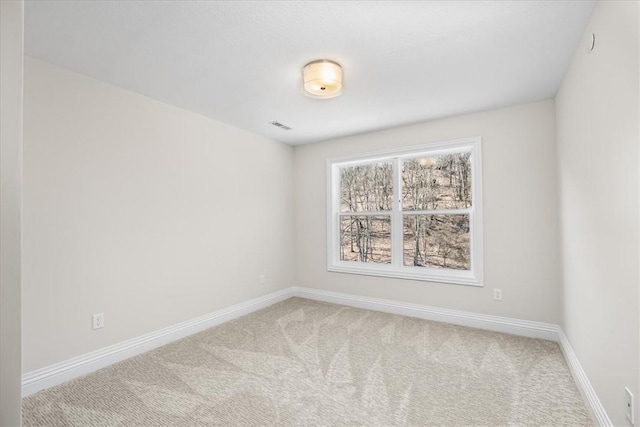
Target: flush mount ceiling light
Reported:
[(322, 79)]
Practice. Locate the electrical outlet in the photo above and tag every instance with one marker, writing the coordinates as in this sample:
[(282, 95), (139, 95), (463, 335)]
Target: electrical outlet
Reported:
[(497, 294), (628, 410), (98, 321), (263, 279)]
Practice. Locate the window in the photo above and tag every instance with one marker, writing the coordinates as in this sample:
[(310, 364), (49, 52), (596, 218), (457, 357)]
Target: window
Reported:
[(414, 214)]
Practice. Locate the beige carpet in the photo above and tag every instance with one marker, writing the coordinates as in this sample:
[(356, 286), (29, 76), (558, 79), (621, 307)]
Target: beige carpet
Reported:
[(306, 363)]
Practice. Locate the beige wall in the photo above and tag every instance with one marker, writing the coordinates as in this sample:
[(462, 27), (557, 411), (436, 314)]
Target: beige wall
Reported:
[(598, 138), (142, 211), (521, 253), (11, 41)]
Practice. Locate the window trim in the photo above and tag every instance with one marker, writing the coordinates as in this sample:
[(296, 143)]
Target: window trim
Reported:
[(472, 277)]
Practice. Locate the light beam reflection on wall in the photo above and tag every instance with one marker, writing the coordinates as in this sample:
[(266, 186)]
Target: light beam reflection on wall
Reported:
[(322, 79)]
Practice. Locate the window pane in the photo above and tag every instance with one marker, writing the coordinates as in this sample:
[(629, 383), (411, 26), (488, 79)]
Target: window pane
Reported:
[(437, 182), (365, 239), (437, 241), (366, 187)]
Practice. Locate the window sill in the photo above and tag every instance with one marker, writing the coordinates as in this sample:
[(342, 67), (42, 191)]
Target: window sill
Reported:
[(411, 273)]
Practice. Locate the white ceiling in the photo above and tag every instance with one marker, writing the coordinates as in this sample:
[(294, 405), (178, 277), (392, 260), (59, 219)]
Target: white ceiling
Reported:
[(240, 62)]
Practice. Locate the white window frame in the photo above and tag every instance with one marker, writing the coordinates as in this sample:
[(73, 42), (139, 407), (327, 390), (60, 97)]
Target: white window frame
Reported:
[(473, 276)]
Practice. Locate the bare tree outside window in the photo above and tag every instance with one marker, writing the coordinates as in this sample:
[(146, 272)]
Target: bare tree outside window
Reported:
[(366, 188), (366, 239), (437, 241), (442, 182), (437, 183)]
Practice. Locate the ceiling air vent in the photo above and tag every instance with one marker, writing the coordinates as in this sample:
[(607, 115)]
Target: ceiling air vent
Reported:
[(280, 125)]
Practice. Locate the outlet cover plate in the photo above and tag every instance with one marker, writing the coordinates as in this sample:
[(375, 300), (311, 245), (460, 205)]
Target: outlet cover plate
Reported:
[(98, 321)]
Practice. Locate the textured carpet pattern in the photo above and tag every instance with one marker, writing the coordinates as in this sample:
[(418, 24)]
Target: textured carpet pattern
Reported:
[(306, 363)]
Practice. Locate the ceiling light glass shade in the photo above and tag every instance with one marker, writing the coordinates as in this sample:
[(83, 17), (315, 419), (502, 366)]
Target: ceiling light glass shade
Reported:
[(322, 79)]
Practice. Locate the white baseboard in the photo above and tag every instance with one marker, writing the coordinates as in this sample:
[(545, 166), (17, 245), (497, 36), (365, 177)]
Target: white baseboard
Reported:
[(59, 373), (507, 325), (67, 370), (584, 385)]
